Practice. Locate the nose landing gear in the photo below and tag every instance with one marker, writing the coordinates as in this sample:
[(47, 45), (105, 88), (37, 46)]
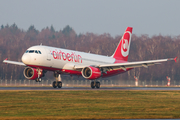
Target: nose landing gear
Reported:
[(39, 71), (38, 80)]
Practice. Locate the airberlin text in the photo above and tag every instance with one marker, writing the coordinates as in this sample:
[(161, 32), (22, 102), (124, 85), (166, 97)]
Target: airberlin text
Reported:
[(71, 57)]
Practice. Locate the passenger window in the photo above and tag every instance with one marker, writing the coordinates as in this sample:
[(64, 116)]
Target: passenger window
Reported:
[(31, 51), (36, 51)]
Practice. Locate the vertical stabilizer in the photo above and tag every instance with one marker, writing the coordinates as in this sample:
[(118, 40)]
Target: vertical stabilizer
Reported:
[(122, 50)]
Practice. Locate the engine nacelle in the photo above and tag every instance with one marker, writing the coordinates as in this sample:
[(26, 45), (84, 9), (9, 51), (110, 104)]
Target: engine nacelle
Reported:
[(32, 74), (91, 73)]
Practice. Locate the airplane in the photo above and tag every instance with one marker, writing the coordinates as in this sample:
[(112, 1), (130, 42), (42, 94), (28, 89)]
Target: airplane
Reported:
[(39, 59)]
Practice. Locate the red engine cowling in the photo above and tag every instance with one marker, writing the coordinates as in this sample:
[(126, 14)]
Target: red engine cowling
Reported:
[(31, 73), (91, 73)]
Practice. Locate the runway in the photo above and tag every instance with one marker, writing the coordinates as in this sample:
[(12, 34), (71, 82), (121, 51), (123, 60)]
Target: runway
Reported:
[(86, 88)]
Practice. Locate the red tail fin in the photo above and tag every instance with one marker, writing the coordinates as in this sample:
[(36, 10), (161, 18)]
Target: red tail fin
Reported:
[(122, 50)]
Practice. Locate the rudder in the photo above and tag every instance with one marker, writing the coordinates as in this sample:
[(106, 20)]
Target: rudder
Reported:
[(122, 50)]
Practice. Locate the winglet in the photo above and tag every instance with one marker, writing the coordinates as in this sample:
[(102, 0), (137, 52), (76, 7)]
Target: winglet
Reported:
[(5, 61), (175, 59)]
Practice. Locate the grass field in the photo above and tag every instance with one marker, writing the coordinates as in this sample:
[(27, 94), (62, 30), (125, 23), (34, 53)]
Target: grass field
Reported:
[(89, 104)]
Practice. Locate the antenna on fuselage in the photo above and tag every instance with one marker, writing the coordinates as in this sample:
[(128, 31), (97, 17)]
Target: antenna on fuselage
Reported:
[(41, 44)]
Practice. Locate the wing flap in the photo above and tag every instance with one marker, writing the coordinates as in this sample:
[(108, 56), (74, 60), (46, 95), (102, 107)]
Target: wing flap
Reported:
[(136, 64), (126, 65)]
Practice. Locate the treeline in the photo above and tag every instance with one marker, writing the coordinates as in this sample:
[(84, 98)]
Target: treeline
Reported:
[(14, 42)]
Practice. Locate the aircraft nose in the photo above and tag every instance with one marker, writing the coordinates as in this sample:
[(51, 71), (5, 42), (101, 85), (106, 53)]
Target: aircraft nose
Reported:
[(26, 59)]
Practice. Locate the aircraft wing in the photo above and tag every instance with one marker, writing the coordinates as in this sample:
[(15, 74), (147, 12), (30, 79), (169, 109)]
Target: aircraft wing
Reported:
[(13, 62), (126, 65)]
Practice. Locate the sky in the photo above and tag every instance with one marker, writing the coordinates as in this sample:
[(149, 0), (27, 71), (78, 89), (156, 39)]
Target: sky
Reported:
[(151, 17)]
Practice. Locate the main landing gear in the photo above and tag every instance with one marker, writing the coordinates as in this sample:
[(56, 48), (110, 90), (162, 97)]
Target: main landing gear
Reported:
[(58, 82), (95, 84)]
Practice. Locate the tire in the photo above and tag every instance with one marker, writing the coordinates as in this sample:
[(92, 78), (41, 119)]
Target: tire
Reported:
[(37, 80), (40, 80), (59, 85), (97, 84), (92, 85), (54, 84)]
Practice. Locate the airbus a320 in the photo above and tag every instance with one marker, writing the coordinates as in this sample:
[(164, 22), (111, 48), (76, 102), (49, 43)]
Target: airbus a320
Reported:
[(39, 59)]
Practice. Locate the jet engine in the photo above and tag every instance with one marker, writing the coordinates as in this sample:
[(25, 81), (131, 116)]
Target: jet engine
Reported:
[(32, 74), (91, 73)]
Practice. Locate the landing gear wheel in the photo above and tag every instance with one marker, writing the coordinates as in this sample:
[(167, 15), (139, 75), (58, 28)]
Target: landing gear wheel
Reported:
[(54, 84), (92, 85), (59, 84), (38, 80), (97, 84)]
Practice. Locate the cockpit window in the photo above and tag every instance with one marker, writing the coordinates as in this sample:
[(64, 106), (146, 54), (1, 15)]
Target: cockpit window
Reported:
[(33, 51), (39, 52)]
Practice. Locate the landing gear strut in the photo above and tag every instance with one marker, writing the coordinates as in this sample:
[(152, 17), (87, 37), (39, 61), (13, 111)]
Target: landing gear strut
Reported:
[(95, 84), (39, 71), (58, 82)]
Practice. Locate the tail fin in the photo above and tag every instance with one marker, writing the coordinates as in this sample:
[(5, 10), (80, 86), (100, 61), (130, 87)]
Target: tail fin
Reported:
[(122, 50)]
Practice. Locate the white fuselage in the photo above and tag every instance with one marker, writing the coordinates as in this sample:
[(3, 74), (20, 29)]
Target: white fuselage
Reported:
[(59, 58)]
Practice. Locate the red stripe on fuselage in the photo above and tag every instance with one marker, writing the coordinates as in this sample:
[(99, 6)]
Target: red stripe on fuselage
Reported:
[(56, 69), (63, 71)]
